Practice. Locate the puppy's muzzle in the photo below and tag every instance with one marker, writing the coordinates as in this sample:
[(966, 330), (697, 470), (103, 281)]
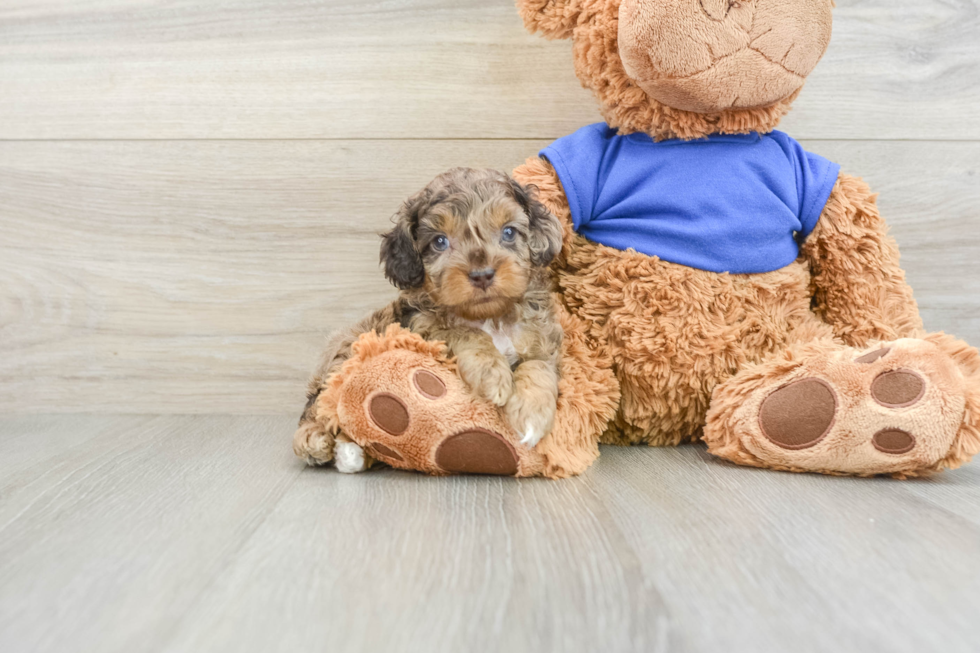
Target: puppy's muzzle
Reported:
[(482, 279)]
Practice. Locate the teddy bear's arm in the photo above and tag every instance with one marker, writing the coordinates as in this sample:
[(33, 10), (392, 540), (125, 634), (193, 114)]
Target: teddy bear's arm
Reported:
[(859, 286), (539, 173)]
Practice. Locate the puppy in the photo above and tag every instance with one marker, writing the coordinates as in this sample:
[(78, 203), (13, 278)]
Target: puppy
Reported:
[(470, 255)]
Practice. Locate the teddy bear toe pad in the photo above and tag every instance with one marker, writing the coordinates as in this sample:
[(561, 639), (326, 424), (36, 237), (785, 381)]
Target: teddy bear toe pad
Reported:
[(898, 388), (894, 441), (428, 384), (389, 413)]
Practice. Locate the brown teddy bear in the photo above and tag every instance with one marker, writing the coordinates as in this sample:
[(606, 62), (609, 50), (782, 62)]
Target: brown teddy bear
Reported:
[(716, 281)]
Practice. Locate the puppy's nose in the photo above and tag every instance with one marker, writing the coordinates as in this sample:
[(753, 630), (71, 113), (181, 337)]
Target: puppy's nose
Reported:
[(482, 279)]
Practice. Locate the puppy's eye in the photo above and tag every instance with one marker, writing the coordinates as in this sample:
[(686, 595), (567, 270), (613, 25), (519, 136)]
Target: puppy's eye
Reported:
[(508, 234), (440, 243)]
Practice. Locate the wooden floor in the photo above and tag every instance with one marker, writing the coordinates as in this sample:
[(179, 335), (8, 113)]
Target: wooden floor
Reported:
[(175, 533)]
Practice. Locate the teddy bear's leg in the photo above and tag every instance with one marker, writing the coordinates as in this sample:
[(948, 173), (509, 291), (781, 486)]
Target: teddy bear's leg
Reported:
[(905, 407), (315, 439), (411, 411), (401, 401)]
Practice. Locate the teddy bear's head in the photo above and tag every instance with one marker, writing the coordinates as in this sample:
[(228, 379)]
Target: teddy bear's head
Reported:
[(689, 68)]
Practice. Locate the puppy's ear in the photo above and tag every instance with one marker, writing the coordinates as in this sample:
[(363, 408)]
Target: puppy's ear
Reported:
[(402, 262), (545, 235)]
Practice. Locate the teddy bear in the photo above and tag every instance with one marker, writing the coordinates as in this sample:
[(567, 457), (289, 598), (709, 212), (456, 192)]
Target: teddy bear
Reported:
[(716, 281)]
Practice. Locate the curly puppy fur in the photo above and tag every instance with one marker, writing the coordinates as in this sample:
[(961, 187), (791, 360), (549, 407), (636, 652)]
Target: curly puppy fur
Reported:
[(470, 254)]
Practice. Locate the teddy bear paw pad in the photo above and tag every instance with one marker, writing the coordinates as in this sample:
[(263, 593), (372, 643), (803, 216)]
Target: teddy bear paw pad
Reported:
[(477, 451), (798, 415)]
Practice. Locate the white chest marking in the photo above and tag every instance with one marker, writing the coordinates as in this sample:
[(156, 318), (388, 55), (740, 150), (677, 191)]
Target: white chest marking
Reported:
[(503, 338)]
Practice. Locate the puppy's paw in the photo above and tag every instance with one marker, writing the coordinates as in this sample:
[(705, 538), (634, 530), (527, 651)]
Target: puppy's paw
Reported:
[(497, 383), (349, 458), (314, 444), (531, 416), (488, 376)]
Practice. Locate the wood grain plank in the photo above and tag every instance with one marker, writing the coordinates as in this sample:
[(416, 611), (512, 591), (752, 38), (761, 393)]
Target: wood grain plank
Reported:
[(396, 561), (957, 493), (173, 277), (752, 560), (104, 547), (192, 262), (32, 441), (176, 533), (421, 69)]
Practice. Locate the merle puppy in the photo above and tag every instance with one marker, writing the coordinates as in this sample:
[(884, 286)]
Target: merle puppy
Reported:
[(470, 255)]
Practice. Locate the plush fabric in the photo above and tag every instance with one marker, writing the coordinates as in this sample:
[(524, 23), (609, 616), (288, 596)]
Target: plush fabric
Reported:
[(940, 417), (714, 55), (725, 203), (720, 355), (452, 431), (819, 365), (594, 26)]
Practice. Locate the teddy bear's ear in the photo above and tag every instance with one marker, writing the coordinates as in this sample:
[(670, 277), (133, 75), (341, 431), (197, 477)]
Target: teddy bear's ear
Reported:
[(553, 19)]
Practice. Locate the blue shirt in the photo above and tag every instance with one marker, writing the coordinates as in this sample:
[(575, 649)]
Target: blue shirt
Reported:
[(725, 203)]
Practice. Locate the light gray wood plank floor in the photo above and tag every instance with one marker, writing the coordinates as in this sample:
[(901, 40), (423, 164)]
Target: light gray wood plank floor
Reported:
[(180, 533)]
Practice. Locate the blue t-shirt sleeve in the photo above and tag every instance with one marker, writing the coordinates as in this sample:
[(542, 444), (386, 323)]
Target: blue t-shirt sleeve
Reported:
[(819, 176), (577, 159), (815, 180)]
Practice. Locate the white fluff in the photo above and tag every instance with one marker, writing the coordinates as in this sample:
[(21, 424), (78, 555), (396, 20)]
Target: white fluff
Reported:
[(348, 458), (531, 438), (503, 339)]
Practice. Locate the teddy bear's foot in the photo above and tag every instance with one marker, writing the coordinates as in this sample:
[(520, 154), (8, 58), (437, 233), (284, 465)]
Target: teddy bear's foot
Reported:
[(904, 408), (411, 411)]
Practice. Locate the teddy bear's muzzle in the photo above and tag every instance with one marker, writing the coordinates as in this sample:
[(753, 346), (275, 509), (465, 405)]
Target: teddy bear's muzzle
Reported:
[(708, 56)]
